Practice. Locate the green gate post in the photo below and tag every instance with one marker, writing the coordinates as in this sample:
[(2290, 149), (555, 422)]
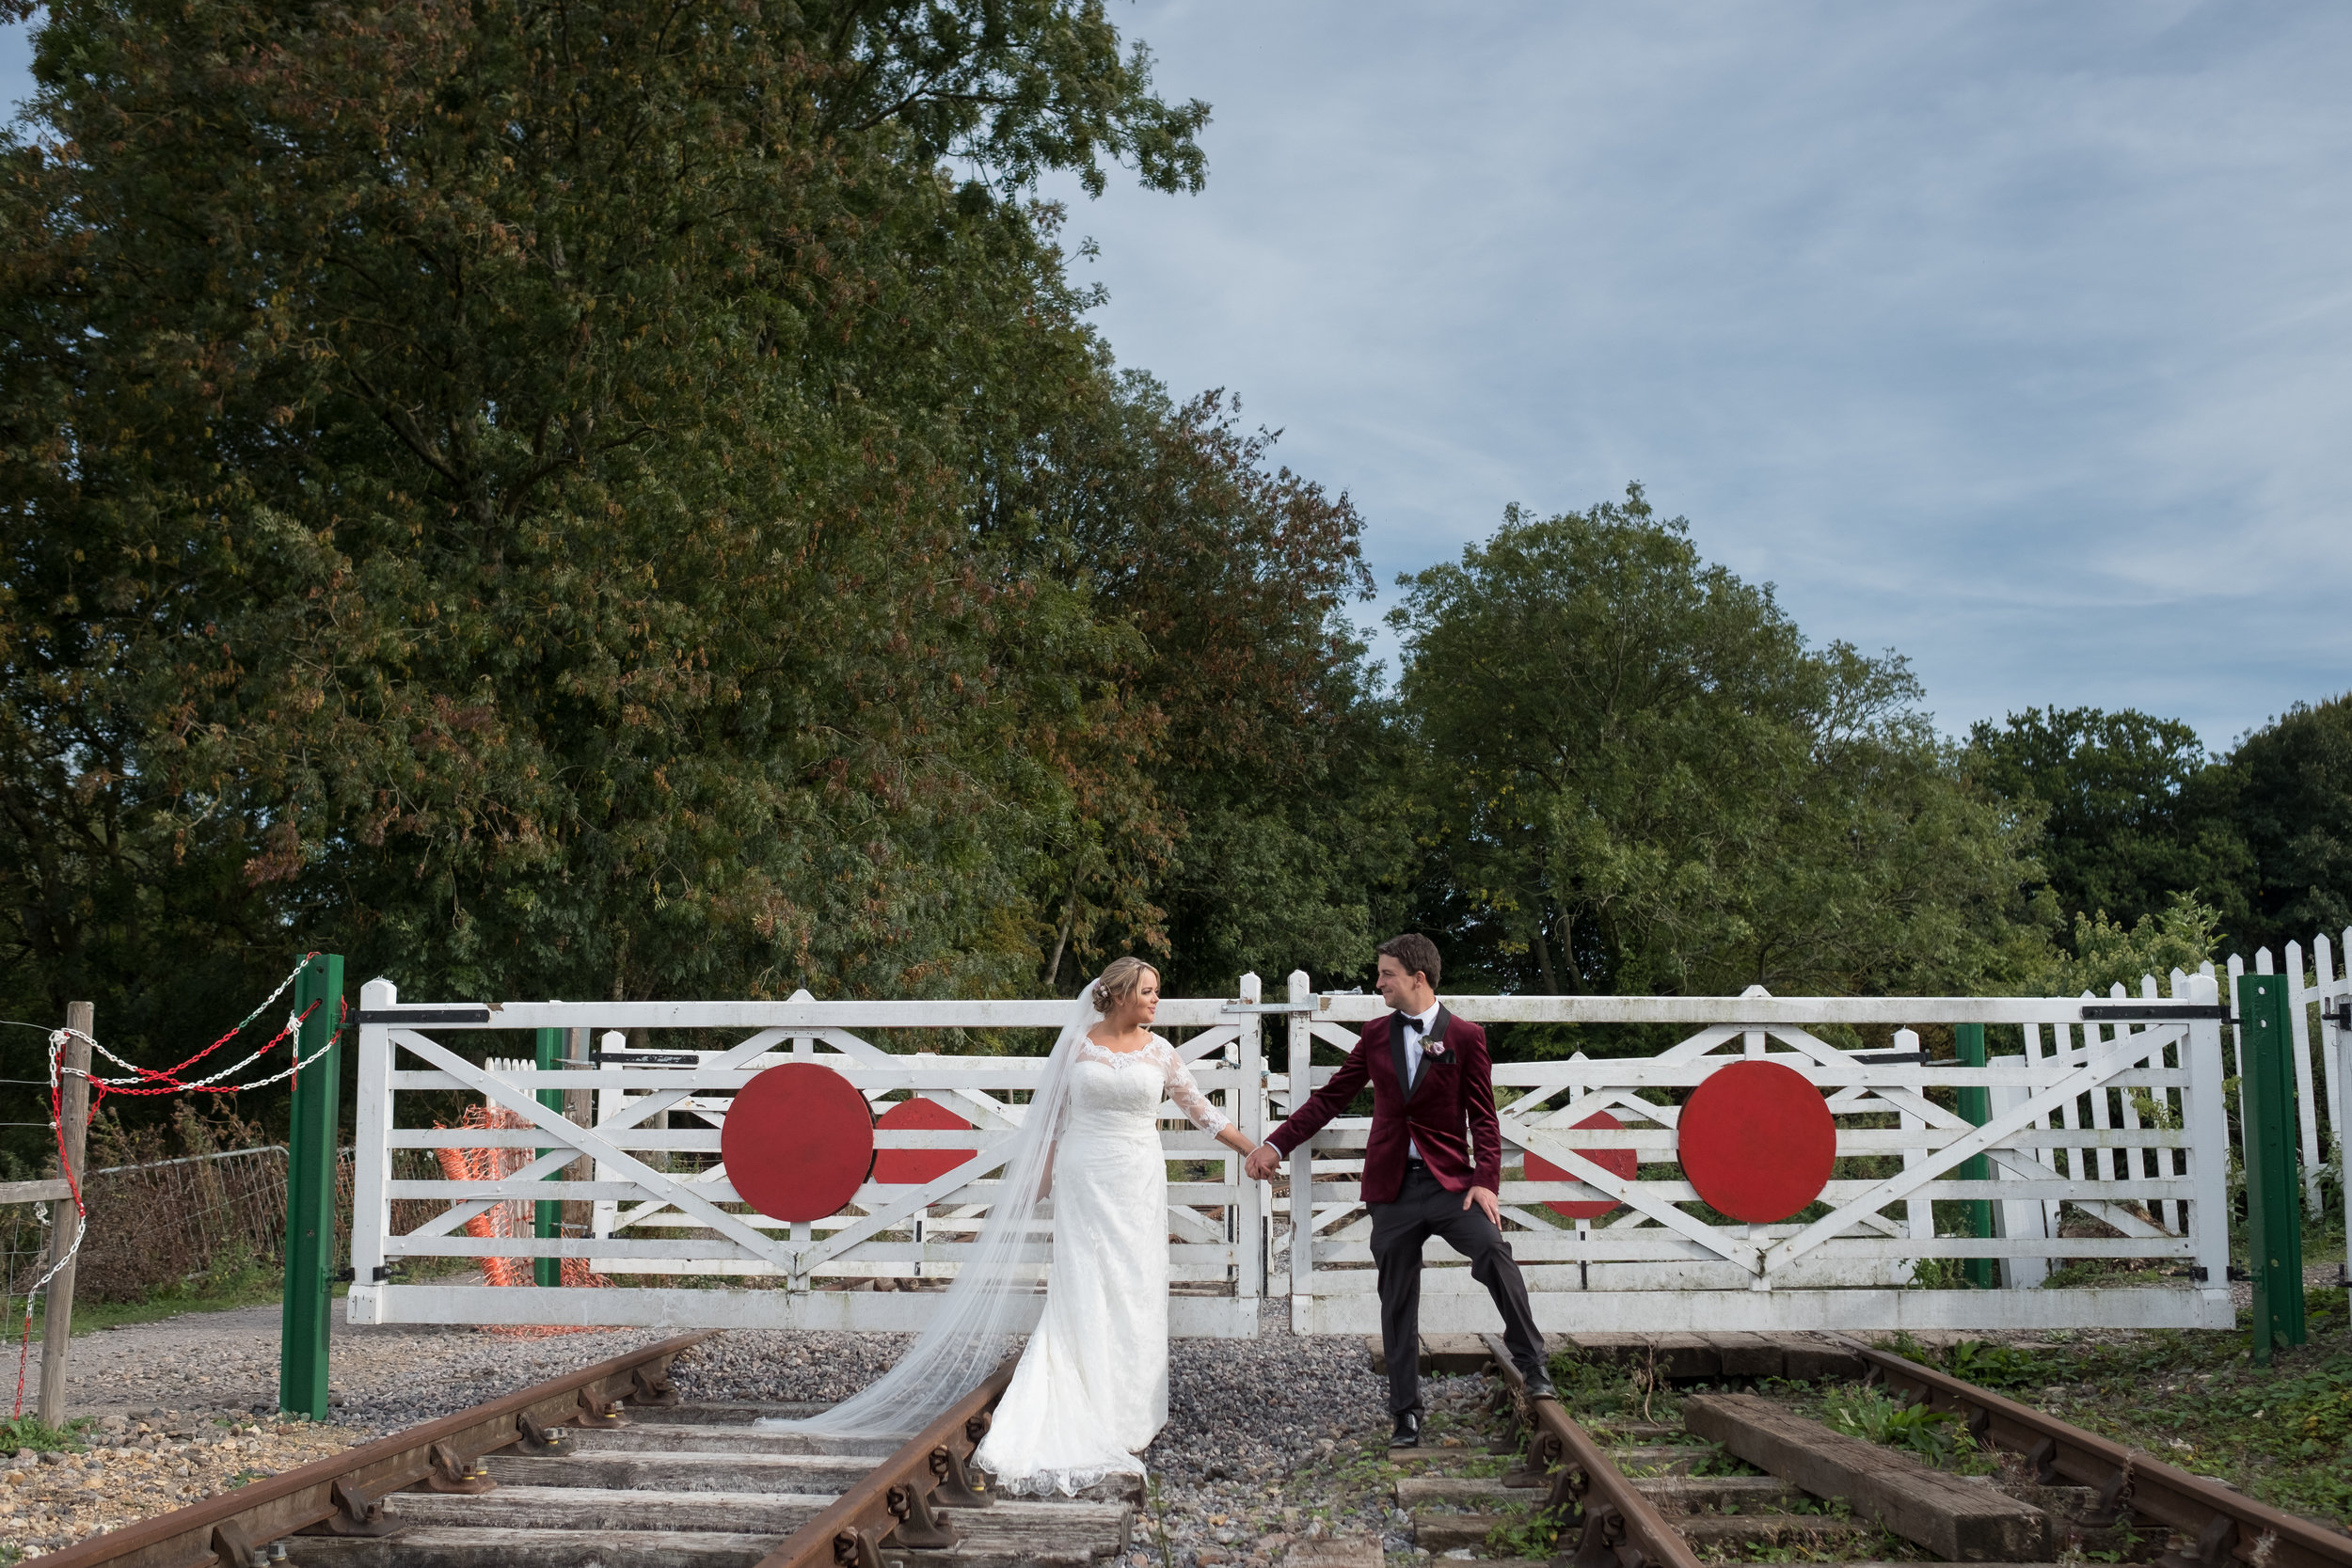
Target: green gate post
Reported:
[(311, 1192), (549, 1214), (1976, 1109), (2273, 1228)]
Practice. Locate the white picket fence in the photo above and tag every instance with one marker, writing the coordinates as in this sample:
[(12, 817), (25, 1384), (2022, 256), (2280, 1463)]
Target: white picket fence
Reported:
[(2117, 1118), (2325, 989)]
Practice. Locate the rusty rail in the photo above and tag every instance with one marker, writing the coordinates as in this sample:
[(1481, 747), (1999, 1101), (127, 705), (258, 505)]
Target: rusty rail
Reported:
[(343, 1494), (1618, 1528), (2223, 1525), (899, 1499)]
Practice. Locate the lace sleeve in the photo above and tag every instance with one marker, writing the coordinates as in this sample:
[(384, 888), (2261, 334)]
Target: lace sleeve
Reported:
[(1188, 1098)]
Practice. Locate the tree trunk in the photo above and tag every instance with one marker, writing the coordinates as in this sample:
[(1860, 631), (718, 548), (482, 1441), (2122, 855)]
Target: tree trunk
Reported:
[(1543, 959), (1567, 953), (1062, 938)]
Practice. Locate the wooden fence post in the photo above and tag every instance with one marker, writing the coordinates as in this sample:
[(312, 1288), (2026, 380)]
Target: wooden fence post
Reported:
[(2274, 1230), (56, 1331), (302, 1365)]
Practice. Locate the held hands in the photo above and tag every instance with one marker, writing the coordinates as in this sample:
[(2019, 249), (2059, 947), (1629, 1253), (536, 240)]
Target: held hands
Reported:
[(1263, 1162), (1487, 1202)]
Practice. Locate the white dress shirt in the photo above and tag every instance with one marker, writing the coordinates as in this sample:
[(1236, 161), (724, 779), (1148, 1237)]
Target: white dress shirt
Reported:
[(1416, 1028)]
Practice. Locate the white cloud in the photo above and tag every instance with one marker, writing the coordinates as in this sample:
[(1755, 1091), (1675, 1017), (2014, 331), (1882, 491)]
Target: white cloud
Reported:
[(2009, 335)]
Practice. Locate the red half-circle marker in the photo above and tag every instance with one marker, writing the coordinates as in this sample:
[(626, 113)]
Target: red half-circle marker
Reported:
[(912, 1167), (1618, 1162)]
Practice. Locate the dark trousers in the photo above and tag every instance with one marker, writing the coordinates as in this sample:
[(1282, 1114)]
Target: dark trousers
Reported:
[(1423, 1209)]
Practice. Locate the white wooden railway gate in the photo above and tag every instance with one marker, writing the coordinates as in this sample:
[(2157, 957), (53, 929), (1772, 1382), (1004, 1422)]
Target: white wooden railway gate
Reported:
[(2115, 1109)]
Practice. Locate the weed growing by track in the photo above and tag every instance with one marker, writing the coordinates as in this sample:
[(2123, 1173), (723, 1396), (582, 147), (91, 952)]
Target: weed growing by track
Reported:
[(31, 1432)]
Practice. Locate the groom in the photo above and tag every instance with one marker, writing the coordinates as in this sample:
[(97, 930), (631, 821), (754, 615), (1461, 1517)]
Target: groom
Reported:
[(1434, 1163)]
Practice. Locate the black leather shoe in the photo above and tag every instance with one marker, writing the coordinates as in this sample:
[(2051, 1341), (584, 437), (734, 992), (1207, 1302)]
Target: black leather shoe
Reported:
[(1541, 1388), (1407, 1433)]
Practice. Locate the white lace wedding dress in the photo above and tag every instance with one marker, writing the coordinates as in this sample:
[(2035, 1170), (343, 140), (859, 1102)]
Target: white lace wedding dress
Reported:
[(1091, 1389)]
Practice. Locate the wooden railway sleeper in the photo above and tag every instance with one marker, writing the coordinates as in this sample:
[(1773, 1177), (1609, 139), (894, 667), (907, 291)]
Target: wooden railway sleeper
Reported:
[(953, 1486)]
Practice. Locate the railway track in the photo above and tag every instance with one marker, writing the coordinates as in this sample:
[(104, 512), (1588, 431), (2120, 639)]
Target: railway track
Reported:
[(610, 1465), (1742, 1476)]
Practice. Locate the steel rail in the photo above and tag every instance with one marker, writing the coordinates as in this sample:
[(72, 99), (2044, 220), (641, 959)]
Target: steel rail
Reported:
[(896, 1500), (2223, 1525), (1619, 1527), (343, 1494)]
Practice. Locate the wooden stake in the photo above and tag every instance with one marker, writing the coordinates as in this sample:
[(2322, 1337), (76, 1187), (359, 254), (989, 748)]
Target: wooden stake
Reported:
[(74, 1119)]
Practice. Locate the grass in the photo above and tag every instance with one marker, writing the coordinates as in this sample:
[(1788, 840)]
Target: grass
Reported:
[(1938, 1436), (241, 1283), (2281, 1433)]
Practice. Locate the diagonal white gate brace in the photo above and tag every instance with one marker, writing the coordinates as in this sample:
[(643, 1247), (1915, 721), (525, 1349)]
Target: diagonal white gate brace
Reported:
[(589, 1141)]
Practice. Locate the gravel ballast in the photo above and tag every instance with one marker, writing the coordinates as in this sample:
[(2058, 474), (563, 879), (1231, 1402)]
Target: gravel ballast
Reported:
[(1268, 1440)]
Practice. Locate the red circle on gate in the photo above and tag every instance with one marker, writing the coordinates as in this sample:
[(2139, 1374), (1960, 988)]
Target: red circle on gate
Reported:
[(913, 1166), (798, 1141), (1758, 1141), (1620, 1162)]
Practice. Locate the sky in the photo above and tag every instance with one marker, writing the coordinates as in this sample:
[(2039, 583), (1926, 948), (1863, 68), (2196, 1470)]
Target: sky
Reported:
[(2011, 337)]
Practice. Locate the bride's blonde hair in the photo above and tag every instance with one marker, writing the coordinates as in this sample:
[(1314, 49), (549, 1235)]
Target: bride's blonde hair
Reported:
[(1118, 983)]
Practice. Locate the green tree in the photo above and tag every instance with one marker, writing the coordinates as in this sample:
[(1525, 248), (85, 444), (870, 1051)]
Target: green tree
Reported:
[(1272, 768), (2103, 952), (2133, 812), (491, 488), (1643, 780), (2291, 794)]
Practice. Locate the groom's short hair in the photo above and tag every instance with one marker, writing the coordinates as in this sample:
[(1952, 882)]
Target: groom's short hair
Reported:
[(1417, 954)]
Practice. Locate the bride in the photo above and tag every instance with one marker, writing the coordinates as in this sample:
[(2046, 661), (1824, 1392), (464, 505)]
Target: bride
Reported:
[(1091, 1388)]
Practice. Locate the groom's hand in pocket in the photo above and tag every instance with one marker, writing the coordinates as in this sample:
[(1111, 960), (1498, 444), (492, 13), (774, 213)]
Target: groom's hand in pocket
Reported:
[(1487, 1202)]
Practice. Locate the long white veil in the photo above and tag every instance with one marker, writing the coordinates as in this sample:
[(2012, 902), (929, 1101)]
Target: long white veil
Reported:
[(994, 1291)]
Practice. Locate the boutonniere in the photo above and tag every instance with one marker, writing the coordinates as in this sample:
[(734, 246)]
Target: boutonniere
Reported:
[(1434, 1050)]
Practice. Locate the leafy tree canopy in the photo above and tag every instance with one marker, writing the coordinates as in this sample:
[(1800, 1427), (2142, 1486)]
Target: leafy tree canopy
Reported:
[(2291, 797), (1641, 777), (493, 489), (2103, 952), (2133, 811)]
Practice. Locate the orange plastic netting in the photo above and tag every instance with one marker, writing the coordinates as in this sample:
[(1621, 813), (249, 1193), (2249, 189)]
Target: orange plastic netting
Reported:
[(507, 1220)]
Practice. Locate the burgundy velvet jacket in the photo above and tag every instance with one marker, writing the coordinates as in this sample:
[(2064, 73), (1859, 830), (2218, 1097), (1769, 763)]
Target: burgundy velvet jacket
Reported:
[(1448, 1111)]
